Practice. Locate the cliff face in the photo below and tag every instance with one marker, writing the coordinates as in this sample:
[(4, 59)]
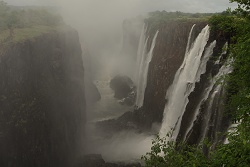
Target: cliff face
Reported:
[(42, 101), (168, 55), (204, 115), (212, 120)]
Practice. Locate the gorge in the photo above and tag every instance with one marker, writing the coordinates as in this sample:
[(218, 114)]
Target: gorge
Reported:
[(64, 103), (179, 77)]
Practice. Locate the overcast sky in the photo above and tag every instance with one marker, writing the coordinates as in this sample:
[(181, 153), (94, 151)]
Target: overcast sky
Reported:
[(141, 5)]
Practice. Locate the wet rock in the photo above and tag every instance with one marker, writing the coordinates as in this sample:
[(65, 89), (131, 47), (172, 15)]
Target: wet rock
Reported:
[(122, 85), (124, 89), (129, 100)]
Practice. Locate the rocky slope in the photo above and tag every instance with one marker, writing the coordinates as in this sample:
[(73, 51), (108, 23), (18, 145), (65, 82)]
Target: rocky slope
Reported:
[(42, 100)]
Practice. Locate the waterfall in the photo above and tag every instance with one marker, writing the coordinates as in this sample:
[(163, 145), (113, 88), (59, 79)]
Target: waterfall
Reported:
[(210, 92), (224, 49), (144, 59), (141, 49), (184, 83), (209, 51), (217, 87), (189, 39)]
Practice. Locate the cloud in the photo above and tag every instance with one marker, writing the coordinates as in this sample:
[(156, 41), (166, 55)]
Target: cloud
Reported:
[(139, 5)]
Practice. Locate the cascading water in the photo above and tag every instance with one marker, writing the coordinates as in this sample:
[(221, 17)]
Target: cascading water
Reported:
[(215, 94), (209, 51), (144, 59), (224, 49), (141, 48), (184, 83), (210, 92)]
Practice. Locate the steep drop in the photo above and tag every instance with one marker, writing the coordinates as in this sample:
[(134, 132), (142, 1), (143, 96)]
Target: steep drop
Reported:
[(144, 59), (184, 83)]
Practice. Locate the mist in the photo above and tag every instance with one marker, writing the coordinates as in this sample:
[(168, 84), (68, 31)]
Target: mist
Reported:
[(100, 27), (99, 22), (107, 52)]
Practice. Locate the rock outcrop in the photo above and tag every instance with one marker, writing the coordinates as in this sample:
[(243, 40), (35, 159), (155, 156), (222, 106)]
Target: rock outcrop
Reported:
[(42, 101), (124, 89), (122, 86)]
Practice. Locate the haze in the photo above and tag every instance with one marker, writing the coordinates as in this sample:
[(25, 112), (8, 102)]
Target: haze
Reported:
[(144, 5), (99, 24), (102, 19)]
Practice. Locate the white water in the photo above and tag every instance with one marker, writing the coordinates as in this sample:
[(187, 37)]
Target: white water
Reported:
[(224, 49), (141, 49), (208, 53), (145, 59), (231, 129), (184, 83), (189, 40), (224, 70), (217, 86)]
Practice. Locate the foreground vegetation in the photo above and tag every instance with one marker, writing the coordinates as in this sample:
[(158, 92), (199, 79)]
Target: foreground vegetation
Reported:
[(235, 24)]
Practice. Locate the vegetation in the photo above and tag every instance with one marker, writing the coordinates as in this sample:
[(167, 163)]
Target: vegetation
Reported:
[(163, 15), (235, 25), (22, 34), (243, 7), (167, 153), (158, 18), (16, 20)]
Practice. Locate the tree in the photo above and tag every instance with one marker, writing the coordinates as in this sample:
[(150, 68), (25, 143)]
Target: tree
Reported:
[(168, 153), (243, 7)]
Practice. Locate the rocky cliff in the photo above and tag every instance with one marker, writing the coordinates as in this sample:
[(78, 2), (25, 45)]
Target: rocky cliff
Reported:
[(201, 118), (169, 53), (42, 100), (167, 57)]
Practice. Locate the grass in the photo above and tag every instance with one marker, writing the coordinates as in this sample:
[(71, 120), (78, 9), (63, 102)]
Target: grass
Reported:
[(22, 34)]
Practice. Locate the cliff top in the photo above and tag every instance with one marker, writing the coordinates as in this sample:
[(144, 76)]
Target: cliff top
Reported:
[(20, 35), (20, 24)]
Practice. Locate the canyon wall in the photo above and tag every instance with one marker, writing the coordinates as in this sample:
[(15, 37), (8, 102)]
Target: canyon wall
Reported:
[(204, 114), (169, 53), (167, 57), (42, 100)]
